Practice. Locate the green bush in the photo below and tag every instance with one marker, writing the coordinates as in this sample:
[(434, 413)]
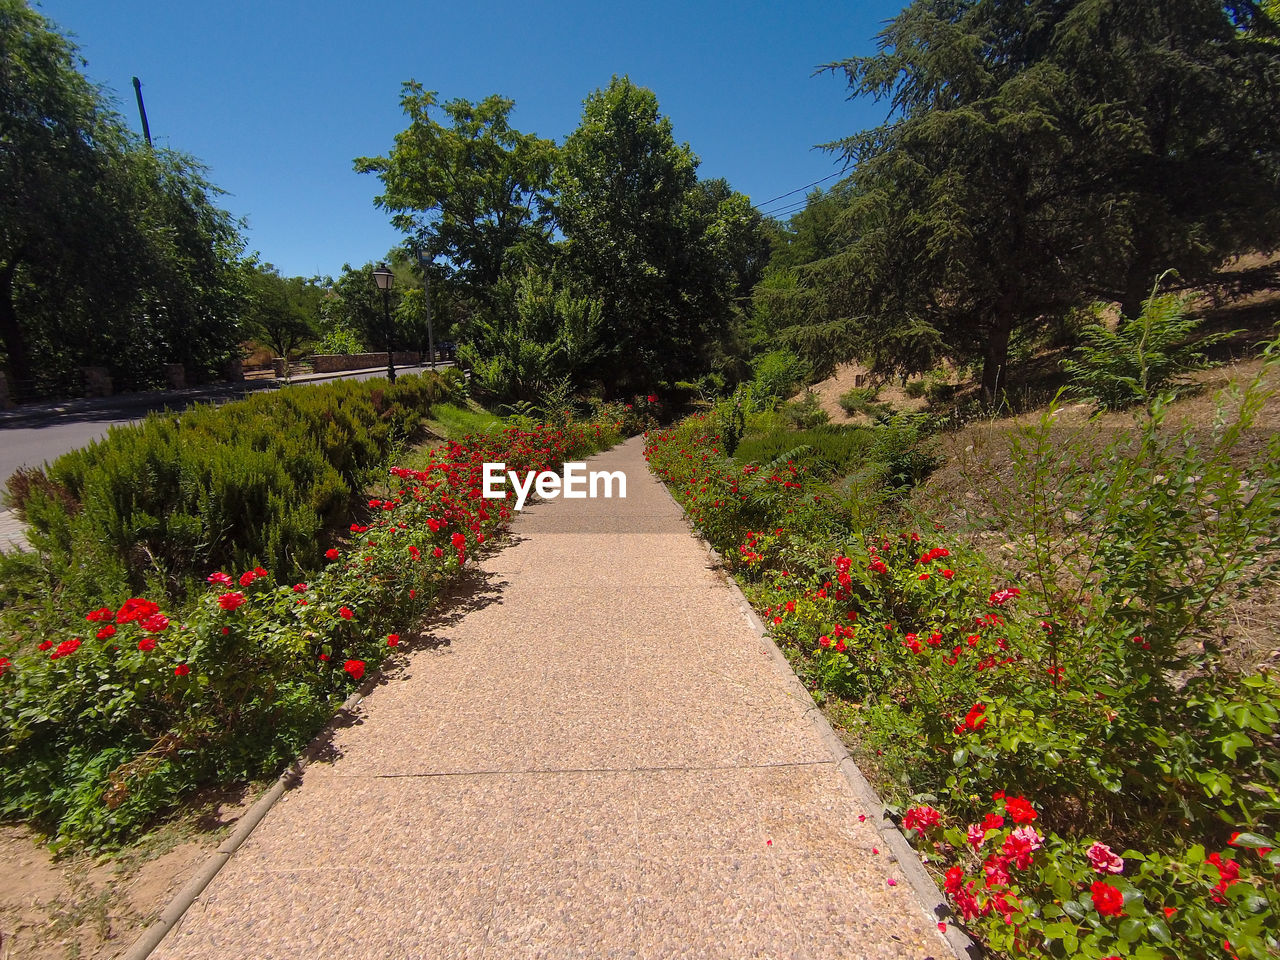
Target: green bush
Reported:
[(806, 413), (862, 400), (777, 375), (828, 448), (1141, 358), (915, 389), (252, 482)]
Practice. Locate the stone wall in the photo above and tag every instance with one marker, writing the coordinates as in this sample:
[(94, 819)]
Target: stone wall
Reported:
[(335, 362)]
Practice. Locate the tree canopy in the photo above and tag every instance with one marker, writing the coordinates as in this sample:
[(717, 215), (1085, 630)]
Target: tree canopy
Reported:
[(111, 253), (664, 254), (1039, 154), (471, 191)]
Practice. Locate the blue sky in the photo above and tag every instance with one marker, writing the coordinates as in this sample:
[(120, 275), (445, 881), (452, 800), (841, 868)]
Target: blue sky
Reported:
[(278, 98)]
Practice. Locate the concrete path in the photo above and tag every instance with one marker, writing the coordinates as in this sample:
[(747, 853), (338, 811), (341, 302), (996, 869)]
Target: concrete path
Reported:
[(601, 760)]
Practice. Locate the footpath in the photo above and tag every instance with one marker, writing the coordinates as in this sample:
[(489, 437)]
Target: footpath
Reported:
[(591, 754)]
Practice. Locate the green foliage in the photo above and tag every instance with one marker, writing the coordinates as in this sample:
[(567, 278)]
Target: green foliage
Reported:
[(251, 482), (826, 449), (777, 375), (663, 253), (543, 343), (860, 400), (471, 192), (341, 339), (281, 312), (111, 253), (805, 413), (1141, 358)]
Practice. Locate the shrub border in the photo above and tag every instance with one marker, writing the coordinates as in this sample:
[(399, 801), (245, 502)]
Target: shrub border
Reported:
[(900, 850)]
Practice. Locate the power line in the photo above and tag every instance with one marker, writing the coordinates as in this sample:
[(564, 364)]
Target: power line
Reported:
[(780, 196), (786, 211)]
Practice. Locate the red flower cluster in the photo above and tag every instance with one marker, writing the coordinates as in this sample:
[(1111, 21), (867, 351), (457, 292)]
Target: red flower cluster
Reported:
[(65, 648), (974, 720), (136, 609), (921, 818), (231, 601), (1001, 597)]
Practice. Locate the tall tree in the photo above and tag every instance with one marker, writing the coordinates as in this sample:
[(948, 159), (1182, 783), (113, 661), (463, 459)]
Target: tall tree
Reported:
[(110, 252), (1037, 153), (282, 312), (471, 191), (664, 255)]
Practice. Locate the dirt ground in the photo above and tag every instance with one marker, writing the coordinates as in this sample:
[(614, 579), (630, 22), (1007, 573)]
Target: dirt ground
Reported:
[(80, 907), (846, 378)]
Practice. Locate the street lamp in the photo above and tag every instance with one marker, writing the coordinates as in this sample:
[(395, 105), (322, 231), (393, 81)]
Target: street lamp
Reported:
[(383, 278), (426, 290)]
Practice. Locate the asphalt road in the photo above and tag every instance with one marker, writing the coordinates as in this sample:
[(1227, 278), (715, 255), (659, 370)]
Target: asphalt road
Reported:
[(35, 437)]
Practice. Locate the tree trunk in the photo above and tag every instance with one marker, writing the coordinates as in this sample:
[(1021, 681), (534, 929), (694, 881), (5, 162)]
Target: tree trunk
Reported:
[(995, 359), (15, 342), (1137, 289)]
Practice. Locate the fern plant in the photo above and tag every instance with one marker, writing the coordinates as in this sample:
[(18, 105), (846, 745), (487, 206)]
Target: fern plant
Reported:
[(1140, 359)]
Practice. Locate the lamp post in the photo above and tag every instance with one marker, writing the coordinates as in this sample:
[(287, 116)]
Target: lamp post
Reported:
[(383, 278), (426, 292)]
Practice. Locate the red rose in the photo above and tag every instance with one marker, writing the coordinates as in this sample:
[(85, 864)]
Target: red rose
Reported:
[(1107, 900), (156, 623), (102, 615), (459, 541), (345, 613), (147, 644), (136, 608), (229, 601), (45, 645), (332, 553), (955, 876), (247, 578), (64, 648), (921, 818), (355, 668), (299, 588), (1019, 810), (393, 639), (106, 632), (219, 579), (181, 670)]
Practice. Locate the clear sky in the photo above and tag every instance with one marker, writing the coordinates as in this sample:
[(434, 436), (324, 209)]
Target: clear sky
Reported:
[(278, 98)]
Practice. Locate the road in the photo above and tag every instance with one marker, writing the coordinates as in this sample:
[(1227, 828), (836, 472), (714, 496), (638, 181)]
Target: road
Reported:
[(30, 440)]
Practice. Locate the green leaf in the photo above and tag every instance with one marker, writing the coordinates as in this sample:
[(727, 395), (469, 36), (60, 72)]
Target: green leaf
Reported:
[(1251, 840)]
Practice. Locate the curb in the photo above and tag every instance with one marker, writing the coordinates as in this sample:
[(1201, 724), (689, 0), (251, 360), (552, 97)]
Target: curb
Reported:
[(173, 913), (900, 850)]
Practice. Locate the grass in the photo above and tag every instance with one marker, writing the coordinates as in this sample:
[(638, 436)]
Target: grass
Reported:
[(452, 422), (828, 449)]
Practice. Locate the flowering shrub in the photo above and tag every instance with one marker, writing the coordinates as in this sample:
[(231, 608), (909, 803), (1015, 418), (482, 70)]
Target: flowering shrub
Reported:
[(1080, 697), (178, 494), (110, 721)]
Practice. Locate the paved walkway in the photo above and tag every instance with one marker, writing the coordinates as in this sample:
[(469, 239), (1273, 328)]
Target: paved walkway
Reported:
[(13, 532), (601, 760)]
